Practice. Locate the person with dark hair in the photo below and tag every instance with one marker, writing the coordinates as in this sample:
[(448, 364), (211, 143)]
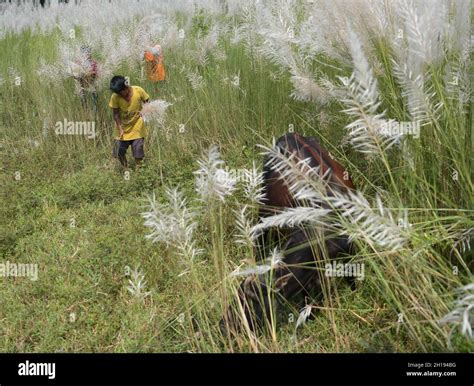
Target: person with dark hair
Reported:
[(86, 75), (126, 103)]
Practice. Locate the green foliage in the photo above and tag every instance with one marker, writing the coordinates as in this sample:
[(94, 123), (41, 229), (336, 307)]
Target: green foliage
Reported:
[(201, 23)]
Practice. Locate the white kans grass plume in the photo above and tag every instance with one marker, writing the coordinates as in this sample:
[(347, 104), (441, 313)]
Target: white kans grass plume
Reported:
[(274, 262), (424, 25), (305, 88), (137, 284), (419, 97), (279, 34), (254, 185), (374, 225), (430, 33), (212, 180), (291, 217), (363, 73), (207, 45), (303, 315), (246, 32), (457, 80), (243, 235), (463, 313), (172, 223), (368, 133), (155, 110), (196, 80), (458, 83)]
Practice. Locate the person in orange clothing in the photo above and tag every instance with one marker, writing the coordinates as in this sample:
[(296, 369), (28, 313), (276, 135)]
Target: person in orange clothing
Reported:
[(154, 66)]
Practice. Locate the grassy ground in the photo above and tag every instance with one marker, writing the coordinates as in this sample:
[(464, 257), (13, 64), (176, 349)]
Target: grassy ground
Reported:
[(68, 207)]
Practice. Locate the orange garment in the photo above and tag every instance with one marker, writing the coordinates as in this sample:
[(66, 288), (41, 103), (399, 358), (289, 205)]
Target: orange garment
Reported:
[(154, 67)]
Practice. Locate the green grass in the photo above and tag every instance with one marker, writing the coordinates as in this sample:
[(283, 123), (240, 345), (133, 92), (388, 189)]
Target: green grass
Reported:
[(69, 181)]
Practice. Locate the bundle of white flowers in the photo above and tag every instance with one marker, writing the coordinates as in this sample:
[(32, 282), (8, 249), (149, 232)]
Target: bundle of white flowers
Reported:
[(155, 110)]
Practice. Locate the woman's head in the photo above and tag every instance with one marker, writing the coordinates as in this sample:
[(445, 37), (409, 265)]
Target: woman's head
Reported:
[(157, 49)]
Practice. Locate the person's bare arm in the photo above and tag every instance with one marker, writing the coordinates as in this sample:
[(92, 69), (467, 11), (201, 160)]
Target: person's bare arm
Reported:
[(118, 121)]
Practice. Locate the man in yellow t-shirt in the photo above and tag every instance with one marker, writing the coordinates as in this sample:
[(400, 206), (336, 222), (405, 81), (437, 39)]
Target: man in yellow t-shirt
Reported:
[(126, 103)]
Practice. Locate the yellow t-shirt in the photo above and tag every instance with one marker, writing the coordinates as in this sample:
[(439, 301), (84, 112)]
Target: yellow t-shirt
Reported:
[(132, 122)]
